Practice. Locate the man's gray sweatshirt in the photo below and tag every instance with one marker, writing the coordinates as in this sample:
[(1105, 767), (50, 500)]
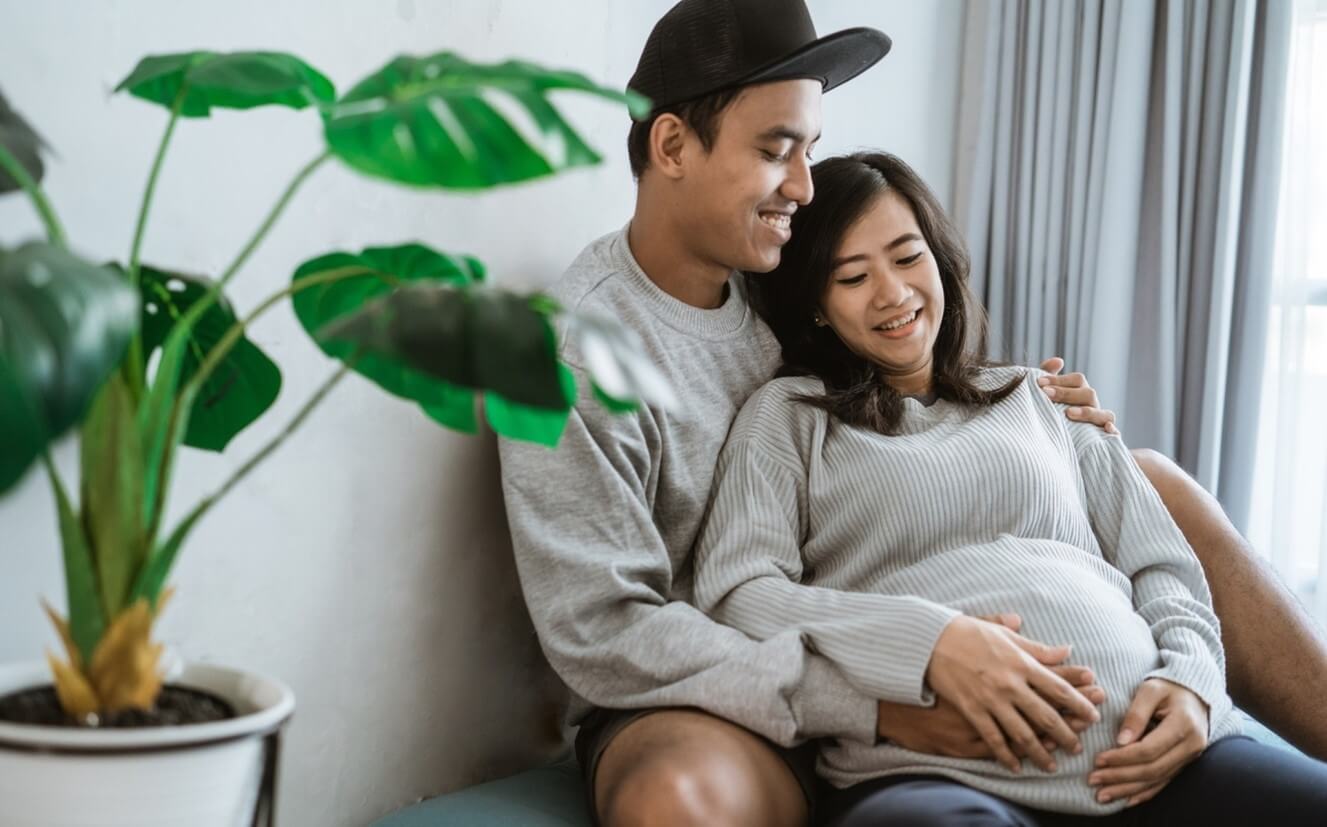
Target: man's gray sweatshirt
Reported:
[(870, 544), (603, 526)]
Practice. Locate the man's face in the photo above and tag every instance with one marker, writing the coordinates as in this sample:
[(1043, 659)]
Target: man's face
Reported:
[(740, 196)]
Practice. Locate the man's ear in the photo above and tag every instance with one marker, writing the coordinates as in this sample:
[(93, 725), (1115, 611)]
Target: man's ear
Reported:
[(668, 145)]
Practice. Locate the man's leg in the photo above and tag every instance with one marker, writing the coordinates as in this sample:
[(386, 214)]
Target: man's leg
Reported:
[(681, 767), (1276, 657)]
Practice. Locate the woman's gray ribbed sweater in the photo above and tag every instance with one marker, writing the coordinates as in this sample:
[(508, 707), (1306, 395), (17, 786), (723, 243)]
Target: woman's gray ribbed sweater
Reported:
[(975, 511)]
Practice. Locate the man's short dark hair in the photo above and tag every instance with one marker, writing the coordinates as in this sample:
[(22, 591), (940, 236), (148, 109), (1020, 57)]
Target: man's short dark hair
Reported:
[(702, 115)]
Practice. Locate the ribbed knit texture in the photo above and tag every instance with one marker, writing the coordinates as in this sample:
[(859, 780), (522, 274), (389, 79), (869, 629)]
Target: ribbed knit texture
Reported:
[(603, 526), (869, 544)]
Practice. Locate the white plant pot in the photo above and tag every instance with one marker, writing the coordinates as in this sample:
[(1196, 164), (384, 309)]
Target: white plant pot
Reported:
[(220, 774)]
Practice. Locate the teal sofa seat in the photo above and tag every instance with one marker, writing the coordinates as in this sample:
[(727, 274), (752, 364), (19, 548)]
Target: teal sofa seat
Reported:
[(553, 796)]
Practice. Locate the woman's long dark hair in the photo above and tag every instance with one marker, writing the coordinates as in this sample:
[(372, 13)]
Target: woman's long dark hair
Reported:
[(855, 389)]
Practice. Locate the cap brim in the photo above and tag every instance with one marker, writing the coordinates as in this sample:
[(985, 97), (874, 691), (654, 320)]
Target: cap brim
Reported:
[(833, 59)]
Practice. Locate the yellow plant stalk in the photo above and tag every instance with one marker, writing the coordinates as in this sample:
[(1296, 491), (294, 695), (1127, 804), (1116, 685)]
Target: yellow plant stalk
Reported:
[(124, 672)]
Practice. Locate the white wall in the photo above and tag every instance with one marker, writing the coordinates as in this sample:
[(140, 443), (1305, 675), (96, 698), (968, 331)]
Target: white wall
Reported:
[(367, 563)]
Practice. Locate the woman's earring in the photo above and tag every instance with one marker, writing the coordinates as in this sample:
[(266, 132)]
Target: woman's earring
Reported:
[(818, 320)]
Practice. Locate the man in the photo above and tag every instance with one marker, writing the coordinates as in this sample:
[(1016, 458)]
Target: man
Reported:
[(682, 720)]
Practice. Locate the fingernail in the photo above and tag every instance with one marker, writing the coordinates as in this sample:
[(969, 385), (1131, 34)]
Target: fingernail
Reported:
[(1044, 381), (1126, 735), (1078, 748), (1101, 762), (1094, 780), (1075, 411), (1050, 392), (1104, 798)]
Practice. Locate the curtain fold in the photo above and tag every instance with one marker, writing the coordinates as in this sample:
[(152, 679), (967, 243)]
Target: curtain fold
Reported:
[(1289, 514), (1116, 178)]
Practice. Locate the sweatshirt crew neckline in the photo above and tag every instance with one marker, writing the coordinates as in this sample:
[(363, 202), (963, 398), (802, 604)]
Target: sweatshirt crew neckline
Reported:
[(717, 323)]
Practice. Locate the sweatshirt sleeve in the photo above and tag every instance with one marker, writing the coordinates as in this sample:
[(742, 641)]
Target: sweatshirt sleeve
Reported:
[(749, 572), (596, 574), (1170, 592)]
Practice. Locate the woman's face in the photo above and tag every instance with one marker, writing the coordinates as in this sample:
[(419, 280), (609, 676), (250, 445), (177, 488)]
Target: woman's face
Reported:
[(884, 298)]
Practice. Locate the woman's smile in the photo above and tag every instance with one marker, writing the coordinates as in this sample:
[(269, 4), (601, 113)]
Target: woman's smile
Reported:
[(900, 327)]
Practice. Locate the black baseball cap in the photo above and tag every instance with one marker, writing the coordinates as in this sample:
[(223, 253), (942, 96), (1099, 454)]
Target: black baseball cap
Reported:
[(704, 46)]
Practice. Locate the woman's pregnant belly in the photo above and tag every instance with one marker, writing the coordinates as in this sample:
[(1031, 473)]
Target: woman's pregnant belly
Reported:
[(1064, 595)]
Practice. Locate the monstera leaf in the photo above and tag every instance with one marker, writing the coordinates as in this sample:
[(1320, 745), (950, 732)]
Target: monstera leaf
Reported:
[(483, 340), (21, 142), (445, 122), (239, 80), (243, 385), (489, 340), (342, 283), (64, 327), (621, 373)]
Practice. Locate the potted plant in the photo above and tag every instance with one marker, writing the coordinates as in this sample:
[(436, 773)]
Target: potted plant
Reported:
[(143, 360)]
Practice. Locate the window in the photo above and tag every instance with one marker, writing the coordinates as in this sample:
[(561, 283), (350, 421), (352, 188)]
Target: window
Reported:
[(1288, 518)]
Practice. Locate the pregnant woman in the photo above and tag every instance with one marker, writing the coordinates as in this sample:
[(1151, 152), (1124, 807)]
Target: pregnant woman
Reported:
[(891, 488)]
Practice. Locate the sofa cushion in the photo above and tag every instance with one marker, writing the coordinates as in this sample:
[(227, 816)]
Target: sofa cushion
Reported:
[(551, 796)]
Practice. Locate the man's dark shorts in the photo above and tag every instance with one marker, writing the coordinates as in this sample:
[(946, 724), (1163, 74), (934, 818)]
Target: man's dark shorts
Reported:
[(601, 726)]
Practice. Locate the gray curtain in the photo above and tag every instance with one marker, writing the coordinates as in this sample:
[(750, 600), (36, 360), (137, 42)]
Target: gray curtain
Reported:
[(1116, 181)]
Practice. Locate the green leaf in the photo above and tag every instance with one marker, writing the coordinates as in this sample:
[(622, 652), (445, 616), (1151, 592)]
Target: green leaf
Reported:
[(21, 432), (64, 327), (239, 80), (87, 620), (111, 460), (489, 340), (355, 280), (163, 419), (538, 425), (612, 403), (442, 121), (620, 370), (22, 142), (452, 408), (152, 578), (244, 384)]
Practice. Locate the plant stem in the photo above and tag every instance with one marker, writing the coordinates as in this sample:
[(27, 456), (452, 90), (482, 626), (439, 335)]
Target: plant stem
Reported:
[(57, 484), (141, 227), (227, 342), (232, 336), (54, 232), (210, 500), (134, 359), (272, 444), (198, 308), (272, 216)]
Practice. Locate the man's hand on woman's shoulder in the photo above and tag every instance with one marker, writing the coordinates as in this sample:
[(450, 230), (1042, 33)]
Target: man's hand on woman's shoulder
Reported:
[(1073, 390)]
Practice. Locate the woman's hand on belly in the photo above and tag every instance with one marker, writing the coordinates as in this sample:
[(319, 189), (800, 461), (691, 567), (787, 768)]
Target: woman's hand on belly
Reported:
[(942, 729), (1141, 767), (1003, 686)]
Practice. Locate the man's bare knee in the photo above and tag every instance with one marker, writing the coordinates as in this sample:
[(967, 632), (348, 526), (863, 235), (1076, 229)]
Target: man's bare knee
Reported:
[(662, 792), (680, 767)]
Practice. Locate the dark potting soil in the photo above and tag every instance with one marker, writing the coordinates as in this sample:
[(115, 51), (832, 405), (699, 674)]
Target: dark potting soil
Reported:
[(176, 705)]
